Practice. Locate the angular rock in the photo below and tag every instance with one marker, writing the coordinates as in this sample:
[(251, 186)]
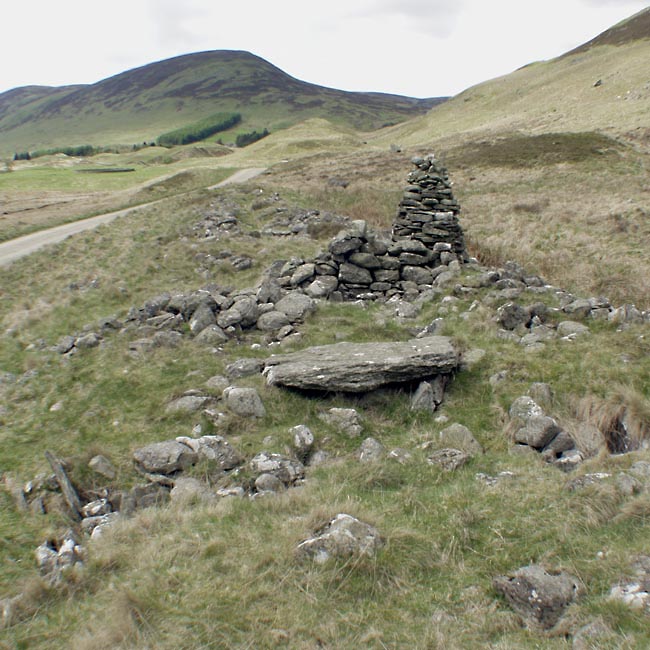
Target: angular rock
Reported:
[(344, 536), (355, 368), (164, 457), (322, 286), (269, 483), (189, 404), (187, 489), (538, 431), (538, 596), (203, 317), (212, 335)]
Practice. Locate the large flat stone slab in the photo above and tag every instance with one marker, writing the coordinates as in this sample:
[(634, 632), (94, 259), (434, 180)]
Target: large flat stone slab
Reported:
[(361, 367)]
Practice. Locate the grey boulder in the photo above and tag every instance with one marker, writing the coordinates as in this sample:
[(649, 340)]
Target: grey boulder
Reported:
[(361, 367)]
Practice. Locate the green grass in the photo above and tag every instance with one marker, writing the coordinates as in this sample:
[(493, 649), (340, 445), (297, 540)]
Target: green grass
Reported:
[(225, 574)]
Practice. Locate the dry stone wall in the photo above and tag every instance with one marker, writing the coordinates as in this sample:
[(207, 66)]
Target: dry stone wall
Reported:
[(361, 263)]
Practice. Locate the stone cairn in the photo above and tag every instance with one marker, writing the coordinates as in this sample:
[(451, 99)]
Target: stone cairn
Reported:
[(363, 264)]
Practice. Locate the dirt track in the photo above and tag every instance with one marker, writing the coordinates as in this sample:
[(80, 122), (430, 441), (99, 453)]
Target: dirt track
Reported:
[(16, 248)]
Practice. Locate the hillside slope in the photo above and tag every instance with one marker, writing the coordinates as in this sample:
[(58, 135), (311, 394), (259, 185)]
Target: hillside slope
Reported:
[(140, 104), (603, 85)]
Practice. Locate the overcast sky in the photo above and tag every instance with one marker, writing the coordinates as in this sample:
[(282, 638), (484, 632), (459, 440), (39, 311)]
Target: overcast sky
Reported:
[(420, 48)]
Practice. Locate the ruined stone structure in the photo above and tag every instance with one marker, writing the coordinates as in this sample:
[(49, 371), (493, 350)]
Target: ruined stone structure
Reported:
[(361, 263)]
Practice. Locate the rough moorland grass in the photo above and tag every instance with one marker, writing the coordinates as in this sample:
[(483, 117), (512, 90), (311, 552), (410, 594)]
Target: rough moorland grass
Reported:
[(225, 574)]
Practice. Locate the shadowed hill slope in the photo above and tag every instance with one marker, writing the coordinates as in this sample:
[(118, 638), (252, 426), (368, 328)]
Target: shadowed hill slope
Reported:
[(141, 104)]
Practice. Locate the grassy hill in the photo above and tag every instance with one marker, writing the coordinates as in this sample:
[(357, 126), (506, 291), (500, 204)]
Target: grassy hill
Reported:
[(140, 104), (565, 193)]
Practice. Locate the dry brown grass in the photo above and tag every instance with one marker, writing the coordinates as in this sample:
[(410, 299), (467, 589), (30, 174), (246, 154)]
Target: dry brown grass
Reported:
[(623, 418)]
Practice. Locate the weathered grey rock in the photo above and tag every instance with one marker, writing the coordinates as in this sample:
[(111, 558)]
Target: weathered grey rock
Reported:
[(203, 317), (346, 421), (344, 536), (65, 344), (351, 274), (355, 368), (53, 560), (571, 329), (511, 315), (537, 431), (458, 436), (525, 407), (371, 450), (295, 306), (303, 441), (187, 489), (272, 321), (217, 383), (102, 466), (448, 459), (212, 335), (303, 273), (541, 393), (214, 448), (322, 286), (164, 457), (288, 470), (245, 402), (344, 243), (579, 308), (243, 313), (244, 368), (269, 483), (269, 291), (424, 399), (90, 340), (96, 508), (189, 403), (537, 595), (472, 358)]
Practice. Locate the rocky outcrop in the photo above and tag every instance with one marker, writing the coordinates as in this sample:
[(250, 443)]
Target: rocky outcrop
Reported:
[(361, 367)]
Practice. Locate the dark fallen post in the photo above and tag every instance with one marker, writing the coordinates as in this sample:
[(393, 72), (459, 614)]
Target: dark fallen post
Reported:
[(69, 493)]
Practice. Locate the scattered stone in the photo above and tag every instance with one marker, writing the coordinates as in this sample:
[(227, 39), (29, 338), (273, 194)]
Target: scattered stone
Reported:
[(580, 482), (457, 436), (189, 403), (287, 470), (449, 459), (596, 635), (188, 489), (54, 557), (537, 432), (244, 402), (215, 449), (295, 306), (244, 368), (346, 421), (569, 329), (164, 457), (540, 597), (344, 536), (491, 481), (102, 466), (303, 442), (371, 450), (269, 483)]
